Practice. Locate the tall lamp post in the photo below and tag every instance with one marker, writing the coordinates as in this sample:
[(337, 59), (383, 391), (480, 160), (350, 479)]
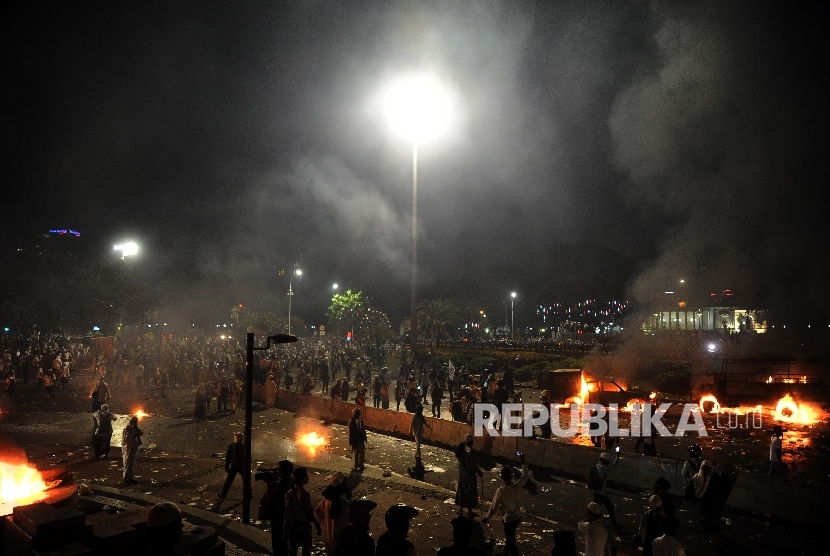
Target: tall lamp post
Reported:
[(417, 108), (512, 297), (297, 272), (249, 391)]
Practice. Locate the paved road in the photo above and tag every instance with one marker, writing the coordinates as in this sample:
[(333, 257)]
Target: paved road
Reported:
[(181, 460)]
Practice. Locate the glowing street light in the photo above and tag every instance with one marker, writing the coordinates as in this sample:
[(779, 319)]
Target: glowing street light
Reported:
[(127, 249), (512, 297), (418, 109)]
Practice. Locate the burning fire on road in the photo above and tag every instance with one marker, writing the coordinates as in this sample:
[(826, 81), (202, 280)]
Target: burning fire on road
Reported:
[(311, 442), (20, 482), (787, 410)]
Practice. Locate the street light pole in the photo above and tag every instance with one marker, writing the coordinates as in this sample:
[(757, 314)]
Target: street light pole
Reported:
[(512, 297), (249, 392), (413, 295), (290, 297)]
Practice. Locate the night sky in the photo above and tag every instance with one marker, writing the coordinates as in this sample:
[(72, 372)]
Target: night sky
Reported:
[(596, 149)]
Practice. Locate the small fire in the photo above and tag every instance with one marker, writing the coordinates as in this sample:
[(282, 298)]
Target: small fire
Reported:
[(803, 380), (584, 389), (140, 414), (20, 481), (311, 441), (709, 398), (652, 395), (769, 380), (789, 411), (629, 406)]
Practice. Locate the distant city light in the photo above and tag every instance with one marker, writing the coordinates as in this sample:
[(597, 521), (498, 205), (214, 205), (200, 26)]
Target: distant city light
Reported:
[(64, 232)]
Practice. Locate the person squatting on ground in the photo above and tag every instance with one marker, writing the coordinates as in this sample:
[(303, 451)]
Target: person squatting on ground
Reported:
[(506, 504), (164, 529), (299, 515), (466, 493), (393, 542), (130, 441), (234, 462), (102, 432), (332, 510), (357, 440)]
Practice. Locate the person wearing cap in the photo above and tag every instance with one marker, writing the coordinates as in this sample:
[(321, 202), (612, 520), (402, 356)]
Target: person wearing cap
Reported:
[(416, 429), (466, 492), (667, 544), (604, 468), (596, 531), (506, 503), (275, 498), (234, 462), (130, 441), (102, 435), (777, 468), (355, 539), (651, 524), (164, 529), (393, 542), (462, 530), (332, 510), (357, 440)]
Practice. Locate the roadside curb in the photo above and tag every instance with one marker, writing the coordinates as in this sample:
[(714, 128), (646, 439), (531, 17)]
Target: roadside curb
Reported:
[(244, 536)]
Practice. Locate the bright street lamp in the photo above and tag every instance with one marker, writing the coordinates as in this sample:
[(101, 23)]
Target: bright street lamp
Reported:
[(297, 272), (512, 297), (418, 109), (127, 249)]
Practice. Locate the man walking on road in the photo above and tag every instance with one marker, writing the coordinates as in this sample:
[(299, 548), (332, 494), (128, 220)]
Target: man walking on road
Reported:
[(416, 429), (357, 440), (234, 462)]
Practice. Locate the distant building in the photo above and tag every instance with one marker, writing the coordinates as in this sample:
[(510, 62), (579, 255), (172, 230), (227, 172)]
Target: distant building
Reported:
[(718, 314)]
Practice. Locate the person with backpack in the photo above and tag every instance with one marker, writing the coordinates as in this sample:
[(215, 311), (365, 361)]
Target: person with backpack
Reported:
[(597, 481)]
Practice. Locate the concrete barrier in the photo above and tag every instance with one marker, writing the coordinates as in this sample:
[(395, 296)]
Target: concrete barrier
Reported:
[(652, 468), (533, 449), (558, 456), (627, 471)]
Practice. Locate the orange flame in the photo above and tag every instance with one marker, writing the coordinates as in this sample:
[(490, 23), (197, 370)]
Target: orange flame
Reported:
[(709, 398), (789, 411), (583, 391), (652, 395), (140, 414), (20, 481), (769, 380), (311, 441)]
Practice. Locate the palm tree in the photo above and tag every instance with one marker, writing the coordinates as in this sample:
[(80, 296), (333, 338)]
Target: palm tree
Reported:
[(438, 320)]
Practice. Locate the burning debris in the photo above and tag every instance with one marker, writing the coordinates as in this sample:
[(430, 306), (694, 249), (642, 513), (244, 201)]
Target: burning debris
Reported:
[(20, 482), (311, 442), (787, 410)]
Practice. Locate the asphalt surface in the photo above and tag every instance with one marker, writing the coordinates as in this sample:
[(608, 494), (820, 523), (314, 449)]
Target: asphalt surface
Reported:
[(182, 460)]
